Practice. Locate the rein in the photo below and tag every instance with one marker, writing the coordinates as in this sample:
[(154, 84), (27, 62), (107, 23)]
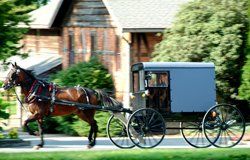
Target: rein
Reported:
[(17, 97)]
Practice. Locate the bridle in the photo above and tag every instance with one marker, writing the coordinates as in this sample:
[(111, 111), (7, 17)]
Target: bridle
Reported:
[(12, 80)]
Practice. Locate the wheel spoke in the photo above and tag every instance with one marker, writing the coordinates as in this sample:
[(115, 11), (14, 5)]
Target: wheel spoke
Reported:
[(117, 133), (151, 118), (151, 128)]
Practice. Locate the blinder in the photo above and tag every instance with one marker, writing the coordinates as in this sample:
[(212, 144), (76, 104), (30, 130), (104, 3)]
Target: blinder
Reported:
[(12, 80)]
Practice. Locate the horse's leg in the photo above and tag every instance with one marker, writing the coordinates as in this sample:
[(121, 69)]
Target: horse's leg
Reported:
[(40, 127), (88, 116), (90, 138), (93, 133), (31, 118)]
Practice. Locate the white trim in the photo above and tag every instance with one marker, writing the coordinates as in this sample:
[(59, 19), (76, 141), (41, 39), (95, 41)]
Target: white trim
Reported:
[(43, 17), (112, 15)]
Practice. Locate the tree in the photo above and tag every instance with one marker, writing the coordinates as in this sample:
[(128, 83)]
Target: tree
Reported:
[(13, 12), (210, 31), (3, 107), (244, 90)]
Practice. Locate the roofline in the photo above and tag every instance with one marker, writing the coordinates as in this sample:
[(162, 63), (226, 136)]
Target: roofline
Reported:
[(41, 26), (112, 15), (55, 13), (167, 65), (137, 30)]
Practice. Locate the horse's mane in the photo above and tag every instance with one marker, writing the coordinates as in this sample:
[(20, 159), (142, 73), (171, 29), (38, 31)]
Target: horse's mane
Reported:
[(29, 72)]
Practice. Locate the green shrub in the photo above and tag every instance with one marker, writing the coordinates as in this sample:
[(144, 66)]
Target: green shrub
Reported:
[(49, 125), (74, 126), (2, 136), (92, 75), (13, 134)]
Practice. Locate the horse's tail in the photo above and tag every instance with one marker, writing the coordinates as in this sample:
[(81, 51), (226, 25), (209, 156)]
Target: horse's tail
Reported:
[(106, 100)]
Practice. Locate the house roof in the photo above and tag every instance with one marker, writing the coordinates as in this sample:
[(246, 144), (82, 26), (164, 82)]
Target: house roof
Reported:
[(44, 17), (143, 15), (39, 63), (129, 15)]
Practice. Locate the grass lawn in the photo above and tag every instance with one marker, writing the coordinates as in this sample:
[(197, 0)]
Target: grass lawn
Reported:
[(151, 154)]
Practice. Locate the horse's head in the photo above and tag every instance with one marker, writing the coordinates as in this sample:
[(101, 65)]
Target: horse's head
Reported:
[(14, 77)]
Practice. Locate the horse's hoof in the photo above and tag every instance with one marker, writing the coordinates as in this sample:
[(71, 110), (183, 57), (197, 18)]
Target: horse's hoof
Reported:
[(37, 147), (32, 133), (36, 133), (89, 146)]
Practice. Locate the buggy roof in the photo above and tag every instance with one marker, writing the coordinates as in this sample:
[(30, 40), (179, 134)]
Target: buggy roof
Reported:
[(168, 65)]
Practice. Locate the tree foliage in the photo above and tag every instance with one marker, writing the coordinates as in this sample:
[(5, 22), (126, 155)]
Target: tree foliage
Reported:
[(244, 90), (3, 108), (12, 13), (210, 31)]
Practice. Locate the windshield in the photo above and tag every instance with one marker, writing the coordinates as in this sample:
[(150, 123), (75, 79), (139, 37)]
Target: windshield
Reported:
[(158, 80)]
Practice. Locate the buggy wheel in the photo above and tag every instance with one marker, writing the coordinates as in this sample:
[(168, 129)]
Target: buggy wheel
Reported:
[(117, 133), (146, 128), (193, 134), (224, 125)]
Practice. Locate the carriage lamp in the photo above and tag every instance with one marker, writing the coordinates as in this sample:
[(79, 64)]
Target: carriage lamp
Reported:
[(131, 95), (146, 93), (143, 95)]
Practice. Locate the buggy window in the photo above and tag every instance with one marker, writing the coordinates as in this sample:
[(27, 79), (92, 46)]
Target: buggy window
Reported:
[(135, 81), (158, 80), (138, 81)]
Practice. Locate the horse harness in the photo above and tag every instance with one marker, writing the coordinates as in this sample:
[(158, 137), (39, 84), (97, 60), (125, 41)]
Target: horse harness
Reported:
[(43, 91), (85, 91)]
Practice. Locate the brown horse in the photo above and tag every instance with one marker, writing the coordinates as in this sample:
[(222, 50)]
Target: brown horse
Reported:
[(41, 108)]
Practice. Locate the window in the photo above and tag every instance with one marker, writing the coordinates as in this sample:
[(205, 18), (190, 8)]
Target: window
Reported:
[(158, 80), (93, 39), (135, 81), (141, 80), (84, 44), (138, 81), (71, 48)]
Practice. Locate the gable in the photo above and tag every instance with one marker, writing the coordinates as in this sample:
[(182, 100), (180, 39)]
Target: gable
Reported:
[(86, 13)]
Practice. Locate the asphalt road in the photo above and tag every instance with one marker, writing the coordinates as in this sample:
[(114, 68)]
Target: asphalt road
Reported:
[(68, 143)]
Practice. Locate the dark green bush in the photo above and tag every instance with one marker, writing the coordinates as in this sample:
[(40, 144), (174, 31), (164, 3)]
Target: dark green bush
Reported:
[(92, 75), (74, 126), (49, 125)]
